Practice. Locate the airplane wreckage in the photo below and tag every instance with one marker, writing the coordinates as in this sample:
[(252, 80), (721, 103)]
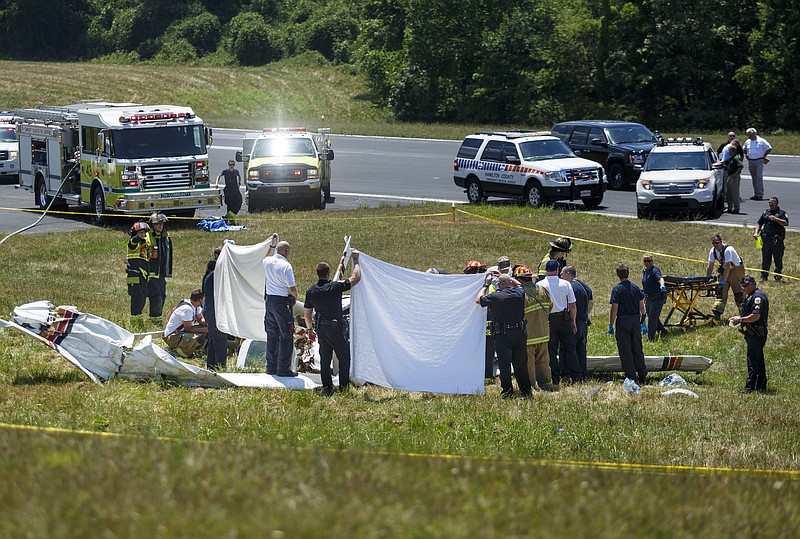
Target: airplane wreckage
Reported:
[(103, 350)]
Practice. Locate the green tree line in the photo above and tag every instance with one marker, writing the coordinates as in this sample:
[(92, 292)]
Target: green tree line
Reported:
[(669, 63)]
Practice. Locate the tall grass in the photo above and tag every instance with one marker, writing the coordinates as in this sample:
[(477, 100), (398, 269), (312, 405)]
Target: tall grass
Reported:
[(286, 463)]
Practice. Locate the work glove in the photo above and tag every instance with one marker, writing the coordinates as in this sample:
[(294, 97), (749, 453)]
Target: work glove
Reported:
[(644, 328), (611, 329), (137, 239), (663, 288)]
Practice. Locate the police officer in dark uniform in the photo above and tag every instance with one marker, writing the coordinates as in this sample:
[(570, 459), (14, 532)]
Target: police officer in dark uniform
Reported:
[(327, 323), (753, 324), (772, 229), (507, 306), (627, 309)]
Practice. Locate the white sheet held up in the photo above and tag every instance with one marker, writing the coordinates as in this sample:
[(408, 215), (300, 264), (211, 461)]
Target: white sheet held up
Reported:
[(239, 290), (417, 331)]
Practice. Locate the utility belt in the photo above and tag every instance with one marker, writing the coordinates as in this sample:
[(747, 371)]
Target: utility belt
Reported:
[(753, 330), (564, 315), (499, 328), (320, 322), (771, 237)]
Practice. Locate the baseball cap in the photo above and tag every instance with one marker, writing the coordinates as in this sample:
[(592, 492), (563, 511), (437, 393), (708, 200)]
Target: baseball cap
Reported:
[(503, 262), (552, 265)]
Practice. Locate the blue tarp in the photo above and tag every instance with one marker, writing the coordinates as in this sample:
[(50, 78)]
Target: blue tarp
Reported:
[(218, 224)]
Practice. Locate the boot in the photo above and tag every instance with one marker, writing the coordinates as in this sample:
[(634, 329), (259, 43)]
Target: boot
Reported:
[(137, 323)]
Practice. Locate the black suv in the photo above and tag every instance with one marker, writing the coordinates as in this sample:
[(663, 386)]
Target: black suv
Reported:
[(618, 146)]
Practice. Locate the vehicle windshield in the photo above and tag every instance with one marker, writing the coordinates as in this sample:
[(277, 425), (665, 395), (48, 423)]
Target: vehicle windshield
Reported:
[(7, 134), (677, 161), (284, 146), (537, 150), (159, 141), (630, 133)]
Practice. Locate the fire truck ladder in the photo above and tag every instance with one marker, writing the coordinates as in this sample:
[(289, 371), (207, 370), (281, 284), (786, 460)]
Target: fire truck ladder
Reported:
[(47, 115)]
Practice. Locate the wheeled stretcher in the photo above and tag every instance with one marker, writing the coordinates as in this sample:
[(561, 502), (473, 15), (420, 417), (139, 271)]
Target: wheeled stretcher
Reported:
[(685, 293)]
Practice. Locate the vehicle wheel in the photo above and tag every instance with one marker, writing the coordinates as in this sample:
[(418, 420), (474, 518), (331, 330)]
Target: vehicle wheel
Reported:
[(592, 202), (474, 191), (616, 177), (40, 196), (534, 195), (327, 193), (99, 206), (641, 213), (320, 203)]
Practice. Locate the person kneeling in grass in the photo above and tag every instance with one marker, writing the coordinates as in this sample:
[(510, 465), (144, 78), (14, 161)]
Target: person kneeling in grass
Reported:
[(186, 331)]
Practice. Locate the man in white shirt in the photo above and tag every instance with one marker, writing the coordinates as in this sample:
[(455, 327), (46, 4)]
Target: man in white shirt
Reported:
[(563, 326), (186, 331), (731, 272), (756, 149), (281, 294)]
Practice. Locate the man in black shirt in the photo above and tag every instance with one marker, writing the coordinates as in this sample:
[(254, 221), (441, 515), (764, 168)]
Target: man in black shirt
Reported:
[(627, 309), (233, 197), (772, 229), (507, 307), (327, 323)]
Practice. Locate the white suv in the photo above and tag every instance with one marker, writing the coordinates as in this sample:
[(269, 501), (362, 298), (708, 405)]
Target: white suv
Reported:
[(526, 165), (9, 166), (681, 175)]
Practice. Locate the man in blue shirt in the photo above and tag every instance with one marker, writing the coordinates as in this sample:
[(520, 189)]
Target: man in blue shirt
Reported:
[(584, 304), (627, 309), (654, 291), (753, 324)]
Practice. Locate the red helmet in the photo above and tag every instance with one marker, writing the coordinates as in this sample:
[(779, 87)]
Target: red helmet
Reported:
[(522, 271), (473, 266)]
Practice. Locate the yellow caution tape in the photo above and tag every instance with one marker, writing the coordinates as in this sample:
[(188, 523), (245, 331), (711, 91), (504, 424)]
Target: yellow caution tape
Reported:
[(609, 466)]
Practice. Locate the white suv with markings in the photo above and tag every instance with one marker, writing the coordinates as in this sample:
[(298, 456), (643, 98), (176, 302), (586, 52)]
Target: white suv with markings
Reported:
[(534, 167), (681, 175)]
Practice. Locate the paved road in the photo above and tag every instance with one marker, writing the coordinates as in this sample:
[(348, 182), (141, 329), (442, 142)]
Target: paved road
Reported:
[(368, 171)]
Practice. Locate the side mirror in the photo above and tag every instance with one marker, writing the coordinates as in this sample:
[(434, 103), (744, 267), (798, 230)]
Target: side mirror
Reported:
[(101, 143), (638, 168), (718, 165), (598, 142), (239, 156), (327, 154), (513, 159), (209, 135)]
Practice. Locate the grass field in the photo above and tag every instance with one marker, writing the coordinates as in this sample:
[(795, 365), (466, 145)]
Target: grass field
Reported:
[(298, 91), (159, 460)]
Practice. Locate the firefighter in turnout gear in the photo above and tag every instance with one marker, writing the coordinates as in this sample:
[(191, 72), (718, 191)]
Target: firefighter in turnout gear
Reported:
[(537, 314), (558, 251), (160, 266), (137, 268)]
